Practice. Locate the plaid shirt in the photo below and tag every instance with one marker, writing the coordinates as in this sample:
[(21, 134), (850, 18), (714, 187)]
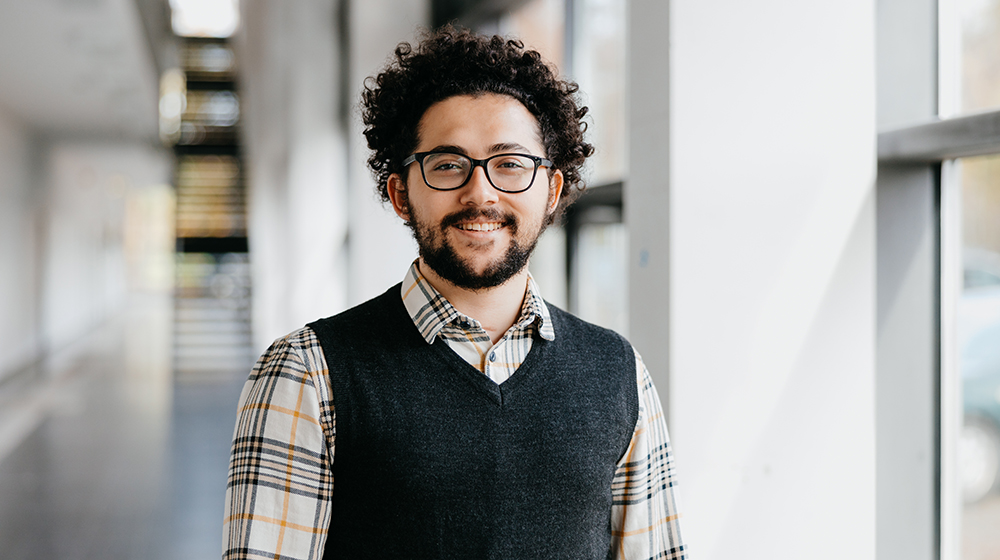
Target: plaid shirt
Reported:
[(280, 488)]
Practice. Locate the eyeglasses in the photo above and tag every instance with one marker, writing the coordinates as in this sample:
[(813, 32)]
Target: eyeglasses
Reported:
[(509, 173)]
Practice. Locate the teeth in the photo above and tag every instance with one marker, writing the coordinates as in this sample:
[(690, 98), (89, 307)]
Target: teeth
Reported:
[(480, 227)]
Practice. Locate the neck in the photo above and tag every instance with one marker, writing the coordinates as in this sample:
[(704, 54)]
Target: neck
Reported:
[(495, 308)]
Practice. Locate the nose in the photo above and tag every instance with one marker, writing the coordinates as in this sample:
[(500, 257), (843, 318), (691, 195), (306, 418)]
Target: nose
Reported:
[(478, 191)]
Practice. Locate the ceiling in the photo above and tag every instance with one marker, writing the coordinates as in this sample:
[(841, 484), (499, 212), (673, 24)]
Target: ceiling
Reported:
[(470, 13), (78, 68)]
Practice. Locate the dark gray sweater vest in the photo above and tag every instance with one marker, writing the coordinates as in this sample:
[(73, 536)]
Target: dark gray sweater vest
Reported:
[(434, 460)]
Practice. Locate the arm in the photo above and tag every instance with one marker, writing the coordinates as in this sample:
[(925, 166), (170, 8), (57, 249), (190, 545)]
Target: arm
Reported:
[(280, 479), (644, 514)]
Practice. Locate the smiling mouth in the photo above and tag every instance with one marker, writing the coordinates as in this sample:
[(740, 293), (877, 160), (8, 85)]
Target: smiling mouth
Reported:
[(489, 226)]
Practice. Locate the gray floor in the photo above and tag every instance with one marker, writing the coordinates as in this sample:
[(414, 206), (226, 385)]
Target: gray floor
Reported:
[(112, 456)]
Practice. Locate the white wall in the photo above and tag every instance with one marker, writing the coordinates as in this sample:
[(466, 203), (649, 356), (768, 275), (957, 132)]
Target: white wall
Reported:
[(19, 342), (296, 167), (381, 247), (320, 240), (769, 265), (83, 269), (62, 259)]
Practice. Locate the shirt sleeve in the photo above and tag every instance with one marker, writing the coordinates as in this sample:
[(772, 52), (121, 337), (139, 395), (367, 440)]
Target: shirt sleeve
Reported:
[(280, 482), (644, 514)]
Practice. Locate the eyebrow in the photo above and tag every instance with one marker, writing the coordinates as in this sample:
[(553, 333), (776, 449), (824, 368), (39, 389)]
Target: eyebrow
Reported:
[(494, 149), (507, 147)]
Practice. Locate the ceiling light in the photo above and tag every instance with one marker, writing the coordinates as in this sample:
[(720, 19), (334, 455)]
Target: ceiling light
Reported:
[(205, 18)]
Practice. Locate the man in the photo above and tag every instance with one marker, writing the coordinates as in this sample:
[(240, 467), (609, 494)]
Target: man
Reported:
[(458, 415)]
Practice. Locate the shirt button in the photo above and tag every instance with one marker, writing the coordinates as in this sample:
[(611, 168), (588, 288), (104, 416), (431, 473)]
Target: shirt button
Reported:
[(493, 356)]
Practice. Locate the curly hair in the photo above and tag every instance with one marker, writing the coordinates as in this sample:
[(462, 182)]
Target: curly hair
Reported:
[(450, 62)]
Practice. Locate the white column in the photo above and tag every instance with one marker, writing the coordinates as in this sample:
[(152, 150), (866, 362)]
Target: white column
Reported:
[(296, 165), (380, 246), (760, 233)]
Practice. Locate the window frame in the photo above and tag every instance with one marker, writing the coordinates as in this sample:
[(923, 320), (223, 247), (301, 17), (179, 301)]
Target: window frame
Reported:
[(919, 199)]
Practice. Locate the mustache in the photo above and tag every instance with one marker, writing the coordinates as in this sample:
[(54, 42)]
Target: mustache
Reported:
[(469, 214)]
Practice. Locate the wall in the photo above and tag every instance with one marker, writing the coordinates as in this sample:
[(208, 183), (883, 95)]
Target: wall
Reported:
[(296, 169), (62, 259), (768, 266), (83, 276), (381, 247), (19, 342), (320, 240)]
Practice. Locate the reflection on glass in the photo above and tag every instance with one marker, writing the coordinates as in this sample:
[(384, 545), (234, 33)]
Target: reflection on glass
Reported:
[(980, 54), (979, 347)]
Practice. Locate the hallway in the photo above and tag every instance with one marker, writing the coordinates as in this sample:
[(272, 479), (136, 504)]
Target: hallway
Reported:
[(110, 456)]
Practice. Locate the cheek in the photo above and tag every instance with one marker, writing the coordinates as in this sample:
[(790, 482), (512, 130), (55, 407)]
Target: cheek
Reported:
[(543, 202)]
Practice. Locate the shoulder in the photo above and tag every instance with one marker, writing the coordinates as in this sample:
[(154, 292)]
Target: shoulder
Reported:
[(592, 344), (298, 351), (372, 313), (569, 326), (381, 324)]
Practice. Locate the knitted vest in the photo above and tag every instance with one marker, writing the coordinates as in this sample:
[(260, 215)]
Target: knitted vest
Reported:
[(435, 460)]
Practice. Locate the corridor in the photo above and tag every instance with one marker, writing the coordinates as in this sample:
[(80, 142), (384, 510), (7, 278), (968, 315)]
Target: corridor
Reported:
[(792, 213)]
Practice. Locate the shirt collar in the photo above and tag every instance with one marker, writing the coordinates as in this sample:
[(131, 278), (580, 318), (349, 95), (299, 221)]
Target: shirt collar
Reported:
[(431, 311)]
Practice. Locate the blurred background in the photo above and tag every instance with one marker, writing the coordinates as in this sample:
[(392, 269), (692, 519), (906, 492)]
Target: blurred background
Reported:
[(183, 181)]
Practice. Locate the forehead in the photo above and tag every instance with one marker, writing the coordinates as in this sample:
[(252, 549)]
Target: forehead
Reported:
[(477, 122)]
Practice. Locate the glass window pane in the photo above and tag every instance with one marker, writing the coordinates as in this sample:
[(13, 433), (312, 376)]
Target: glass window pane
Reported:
[(979, 357), (600, 279), (599, 67), (541, 24), (548, 266), (980, 48)]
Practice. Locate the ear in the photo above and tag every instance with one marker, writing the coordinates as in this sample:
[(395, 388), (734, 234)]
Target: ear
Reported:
[(555, 191), (397, 195)]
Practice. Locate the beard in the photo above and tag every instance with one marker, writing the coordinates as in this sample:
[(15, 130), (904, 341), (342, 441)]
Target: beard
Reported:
[(439, 254)]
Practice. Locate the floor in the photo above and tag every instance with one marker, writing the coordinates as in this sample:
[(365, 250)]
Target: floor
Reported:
[(109, 455)]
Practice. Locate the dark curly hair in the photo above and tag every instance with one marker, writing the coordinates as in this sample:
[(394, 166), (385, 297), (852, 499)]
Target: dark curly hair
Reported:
[(450, 62)]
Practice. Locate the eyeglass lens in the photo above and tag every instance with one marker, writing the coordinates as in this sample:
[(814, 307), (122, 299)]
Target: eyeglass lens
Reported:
[(508, 172)]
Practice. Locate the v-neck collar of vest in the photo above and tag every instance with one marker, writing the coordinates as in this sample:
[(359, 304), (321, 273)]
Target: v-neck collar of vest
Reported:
[(494, 393)]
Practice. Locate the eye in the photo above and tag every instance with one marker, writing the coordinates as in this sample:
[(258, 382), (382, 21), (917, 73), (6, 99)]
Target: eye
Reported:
[(445, 163), (512, 163)]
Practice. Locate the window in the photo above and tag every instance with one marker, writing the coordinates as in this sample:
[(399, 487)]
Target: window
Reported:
[(977, 332), (939, 253)]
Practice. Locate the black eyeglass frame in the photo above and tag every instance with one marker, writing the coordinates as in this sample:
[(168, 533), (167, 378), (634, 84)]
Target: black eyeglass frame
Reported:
[(419, 157)]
